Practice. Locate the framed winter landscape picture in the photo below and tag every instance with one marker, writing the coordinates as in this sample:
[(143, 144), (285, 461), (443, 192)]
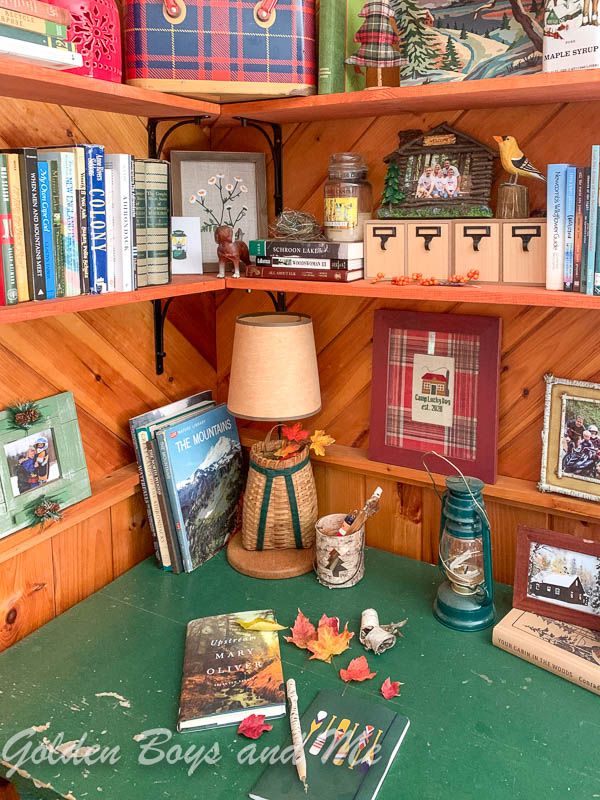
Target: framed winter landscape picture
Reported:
[(571, 438), (558, 576), (221, 189), (435, 389)]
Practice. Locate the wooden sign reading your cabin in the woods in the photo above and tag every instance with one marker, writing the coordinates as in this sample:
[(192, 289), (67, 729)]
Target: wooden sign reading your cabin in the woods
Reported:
[(440, 173)]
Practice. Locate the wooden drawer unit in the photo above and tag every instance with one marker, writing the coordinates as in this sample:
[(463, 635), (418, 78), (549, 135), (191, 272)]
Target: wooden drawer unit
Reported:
[(524, 251), (428, 248), (477, 246), (385, 244)]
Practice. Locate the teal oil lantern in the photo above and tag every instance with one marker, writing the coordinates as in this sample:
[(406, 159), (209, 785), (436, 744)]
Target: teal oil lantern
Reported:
[(465, 601), (179, 245)]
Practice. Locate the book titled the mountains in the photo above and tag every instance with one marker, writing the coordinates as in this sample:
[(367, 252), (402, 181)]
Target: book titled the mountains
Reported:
[(230, 673), (201, 459), (567, 650), (349, 745)]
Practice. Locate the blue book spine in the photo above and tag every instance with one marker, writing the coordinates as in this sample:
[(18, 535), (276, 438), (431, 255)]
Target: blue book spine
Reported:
[(593, 219), (555, 253), (165, 460), (96, 208), (569, 228), (45, 192)]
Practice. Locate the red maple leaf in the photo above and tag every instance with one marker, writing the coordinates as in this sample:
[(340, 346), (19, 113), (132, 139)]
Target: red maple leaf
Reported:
[(357, 670), (390, 688), (330, 622), (254, 726), (303, 632), (294, 433)]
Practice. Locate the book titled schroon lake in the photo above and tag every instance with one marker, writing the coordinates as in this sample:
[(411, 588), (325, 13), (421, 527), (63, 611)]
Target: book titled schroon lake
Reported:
[(229, 672), (201, 458)]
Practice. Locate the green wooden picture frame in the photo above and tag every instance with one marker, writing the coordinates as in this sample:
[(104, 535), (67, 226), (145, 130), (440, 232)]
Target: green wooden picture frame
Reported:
[(67, 476)]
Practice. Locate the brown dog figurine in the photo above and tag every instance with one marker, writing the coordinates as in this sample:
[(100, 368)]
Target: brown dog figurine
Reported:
[(230, 251)]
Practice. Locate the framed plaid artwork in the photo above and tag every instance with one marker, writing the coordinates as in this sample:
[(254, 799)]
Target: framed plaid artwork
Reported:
[(435, 388)]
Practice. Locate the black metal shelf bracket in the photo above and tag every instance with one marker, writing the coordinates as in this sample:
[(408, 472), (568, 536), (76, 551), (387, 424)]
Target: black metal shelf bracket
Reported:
[(155, 148), (160, 310)]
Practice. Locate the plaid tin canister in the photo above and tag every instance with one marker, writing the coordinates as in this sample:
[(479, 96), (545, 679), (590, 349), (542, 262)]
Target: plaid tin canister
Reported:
[(222, 49)]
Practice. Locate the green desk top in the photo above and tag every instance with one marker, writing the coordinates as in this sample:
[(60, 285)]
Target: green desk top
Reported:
[(485, 724)]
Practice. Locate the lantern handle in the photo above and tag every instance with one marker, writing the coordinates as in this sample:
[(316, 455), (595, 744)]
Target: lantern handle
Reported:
[(481, 510)]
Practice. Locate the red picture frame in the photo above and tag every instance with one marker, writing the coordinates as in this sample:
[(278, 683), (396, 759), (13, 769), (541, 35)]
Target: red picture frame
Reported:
[(555, 595), (468, 349)]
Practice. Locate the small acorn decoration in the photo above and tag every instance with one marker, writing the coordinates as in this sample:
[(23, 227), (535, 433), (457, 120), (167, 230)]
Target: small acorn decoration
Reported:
[(25, 414), (47, 511)]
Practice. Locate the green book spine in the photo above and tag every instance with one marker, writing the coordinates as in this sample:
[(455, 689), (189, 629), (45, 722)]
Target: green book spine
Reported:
[(141, 264), (338, 22), (7, 244), (37, 38), (25, 22), (57, 234), (158, 217)]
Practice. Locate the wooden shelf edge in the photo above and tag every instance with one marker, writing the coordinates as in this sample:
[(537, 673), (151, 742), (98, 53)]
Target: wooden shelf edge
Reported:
[(181, 285), (521, 90), (479, 294), (513, 491), (25, 81), (107, 491)]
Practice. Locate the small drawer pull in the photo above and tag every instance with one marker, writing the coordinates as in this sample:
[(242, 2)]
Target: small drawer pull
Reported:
[(383, 234), (526, 234), (477, 233), (428, 234)]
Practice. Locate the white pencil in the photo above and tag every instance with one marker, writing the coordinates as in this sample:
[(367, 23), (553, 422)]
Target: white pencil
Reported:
[(297, 740)]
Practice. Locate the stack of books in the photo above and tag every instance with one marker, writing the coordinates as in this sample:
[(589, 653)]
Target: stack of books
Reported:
[(37, 31), (190, 463), (75, 221), (573, 254), (337, 262)]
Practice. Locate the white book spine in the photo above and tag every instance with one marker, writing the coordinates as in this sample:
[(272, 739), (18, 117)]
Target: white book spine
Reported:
[(555, 241), (121, 218), (53, 57), (110, 234)]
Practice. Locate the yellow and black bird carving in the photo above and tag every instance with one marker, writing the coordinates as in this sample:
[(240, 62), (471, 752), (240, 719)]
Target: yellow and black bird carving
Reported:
[(514, 161)]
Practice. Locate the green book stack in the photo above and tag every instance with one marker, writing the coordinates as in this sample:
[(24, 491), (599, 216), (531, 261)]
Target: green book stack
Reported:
[(349, 744), (158, 218)]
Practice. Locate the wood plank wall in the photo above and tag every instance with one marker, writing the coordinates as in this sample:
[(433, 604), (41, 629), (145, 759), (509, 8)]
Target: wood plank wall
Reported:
[(106, 359), (535, 341)]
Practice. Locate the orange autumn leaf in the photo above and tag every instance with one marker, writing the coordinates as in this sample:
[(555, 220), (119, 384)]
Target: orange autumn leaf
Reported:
[(319, 441), (303, 632), (390, 688), (357, 670), (331, 622), (328, 643), (294, 433), (287, 450)]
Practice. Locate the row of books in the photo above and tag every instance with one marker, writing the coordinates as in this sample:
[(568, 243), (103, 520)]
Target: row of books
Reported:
[(573, 255), (336, 262), (37, 31), (190, 463), (76, 221)]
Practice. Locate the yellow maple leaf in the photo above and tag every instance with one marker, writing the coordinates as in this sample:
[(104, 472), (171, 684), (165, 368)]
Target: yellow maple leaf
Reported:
[(319, 441), (328, 643), (260, 624)]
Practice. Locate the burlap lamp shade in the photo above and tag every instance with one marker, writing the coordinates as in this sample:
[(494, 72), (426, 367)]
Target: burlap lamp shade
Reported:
[(274, 378), (274, 375)]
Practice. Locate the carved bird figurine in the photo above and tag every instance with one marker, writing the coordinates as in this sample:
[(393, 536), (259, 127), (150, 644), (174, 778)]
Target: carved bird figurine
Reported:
[(514, 161)]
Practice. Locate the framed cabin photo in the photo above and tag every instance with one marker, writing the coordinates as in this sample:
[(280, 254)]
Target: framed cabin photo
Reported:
[(40, 459), (571, 438), (558, 575), (435, 389)]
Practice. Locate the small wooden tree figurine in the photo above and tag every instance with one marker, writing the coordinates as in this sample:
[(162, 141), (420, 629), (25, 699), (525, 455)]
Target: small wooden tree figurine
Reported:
[(376, 38)]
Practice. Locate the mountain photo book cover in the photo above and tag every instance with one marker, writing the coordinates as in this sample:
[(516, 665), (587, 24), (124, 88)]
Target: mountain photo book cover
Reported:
[(201, 458)]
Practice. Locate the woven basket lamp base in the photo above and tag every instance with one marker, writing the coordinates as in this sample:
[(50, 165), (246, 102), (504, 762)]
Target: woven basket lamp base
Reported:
[(269, 564)]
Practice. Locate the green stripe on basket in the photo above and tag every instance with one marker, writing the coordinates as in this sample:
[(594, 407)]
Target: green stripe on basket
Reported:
[(269, 474)]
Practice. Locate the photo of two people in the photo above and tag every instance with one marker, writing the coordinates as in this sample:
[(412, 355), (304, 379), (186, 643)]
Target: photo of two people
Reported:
[(32, 462)]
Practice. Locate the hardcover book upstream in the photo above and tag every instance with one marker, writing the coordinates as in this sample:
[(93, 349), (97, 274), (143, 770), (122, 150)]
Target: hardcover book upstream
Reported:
[(230, 673)]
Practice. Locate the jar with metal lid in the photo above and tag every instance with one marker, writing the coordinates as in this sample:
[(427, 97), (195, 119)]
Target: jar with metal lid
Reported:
[(348, 198)]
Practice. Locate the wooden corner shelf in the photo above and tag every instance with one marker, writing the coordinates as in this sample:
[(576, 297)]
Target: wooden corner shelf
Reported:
[(513, 491), (107, 491), (180, 285), (481, 294), (24, 80), (522, 90)]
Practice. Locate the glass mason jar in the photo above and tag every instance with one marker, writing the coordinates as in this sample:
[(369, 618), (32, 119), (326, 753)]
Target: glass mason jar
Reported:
[(348, 198)]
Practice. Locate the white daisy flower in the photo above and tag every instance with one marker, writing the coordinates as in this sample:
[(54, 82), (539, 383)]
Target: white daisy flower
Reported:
[(220, 175), (238, 180), (229, 187), (243, 188), (212, 180), (192, 199), (244, 208), (202, 193)]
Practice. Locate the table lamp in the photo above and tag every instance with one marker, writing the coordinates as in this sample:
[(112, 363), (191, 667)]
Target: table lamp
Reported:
[(274, 378), (465, 601)]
